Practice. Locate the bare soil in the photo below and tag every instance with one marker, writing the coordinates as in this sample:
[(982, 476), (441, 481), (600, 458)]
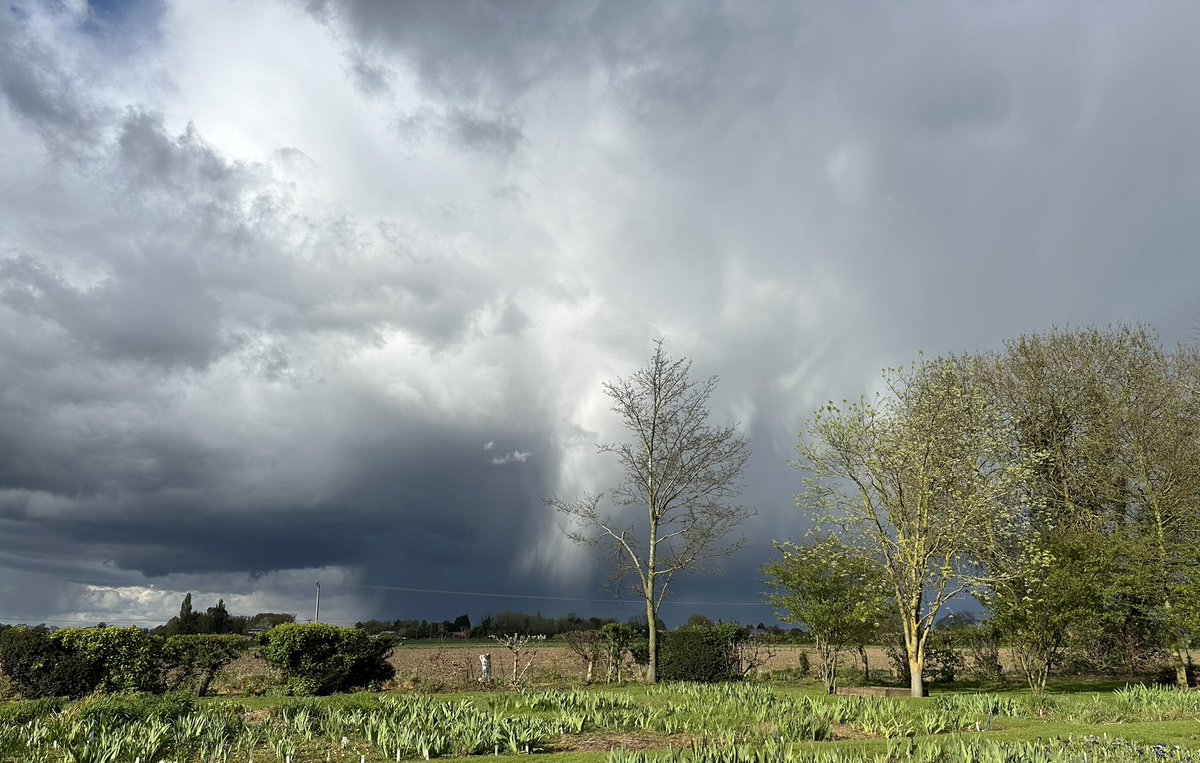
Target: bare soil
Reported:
[(457, 666)]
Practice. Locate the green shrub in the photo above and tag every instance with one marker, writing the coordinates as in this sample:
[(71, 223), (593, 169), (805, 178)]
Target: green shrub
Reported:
[(805, 664), (323, 659), (700, 653), (128, 659), (943, 662), (41, 666), (193, 661)]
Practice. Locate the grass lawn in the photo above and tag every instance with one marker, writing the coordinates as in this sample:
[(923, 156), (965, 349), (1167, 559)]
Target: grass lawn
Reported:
[(732, 723)]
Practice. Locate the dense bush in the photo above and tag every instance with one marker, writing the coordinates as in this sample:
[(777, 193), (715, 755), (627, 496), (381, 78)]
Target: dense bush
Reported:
[(323, 659), (128, 659), (193, 661), (700, 653), (41, 666)]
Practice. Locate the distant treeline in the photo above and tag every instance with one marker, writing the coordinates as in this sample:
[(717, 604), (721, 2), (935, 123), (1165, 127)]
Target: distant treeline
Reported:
[(493, 624), (214, 620), (500, 623), (218, 620)]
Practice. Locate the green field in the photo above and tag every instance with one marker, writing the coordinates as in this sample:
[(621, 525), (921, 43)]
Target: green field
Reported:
[(730, 723)]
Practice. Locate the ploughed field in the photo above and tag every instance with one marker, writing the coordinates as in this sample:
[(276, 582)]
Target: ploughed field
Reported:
[(449, 665), (728, 723)]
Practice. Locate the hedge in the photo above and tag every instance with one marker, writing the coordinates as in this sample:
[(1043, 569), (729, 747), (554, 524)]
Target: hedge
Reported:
[(702, 653), (322, 659)]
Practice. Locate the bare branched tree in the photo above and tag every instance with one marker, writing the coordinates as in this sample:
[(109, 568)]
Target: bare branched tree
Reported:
[(517, 643), (683, 472), (588, 646)]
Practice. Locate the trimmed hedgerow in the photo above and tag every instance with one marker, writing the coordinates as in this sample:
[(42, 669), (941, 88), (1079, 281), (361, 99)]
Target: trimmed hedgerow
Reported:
[(40, 666), (701, 653), (128, 659), (322, 659)]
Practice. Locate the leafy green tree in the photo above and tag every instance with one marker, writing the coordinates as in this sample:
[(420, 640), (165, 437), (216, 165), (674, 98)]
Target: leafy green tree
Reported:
[(216, 620), (588, 646), (1160, 448), (683, 472), (1112, 425), (915, 483), (1048, 601), (838, 597)]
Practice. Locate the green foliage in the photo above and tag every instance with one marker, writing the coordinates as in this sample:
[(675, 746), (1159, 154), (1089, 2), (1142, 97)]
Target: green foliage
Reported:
[(1111, 567), (943, 662), (716, 723), (701, 654), (321, 659), (837, 596), (128, 659), (919, 483), (619, 638), (193, 660), (40, 666), (17, 713), (123, 708)]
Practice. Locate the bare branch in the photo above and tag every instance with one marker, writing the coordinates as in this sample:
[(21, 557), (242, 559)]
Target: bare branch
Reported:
[(677, 468)]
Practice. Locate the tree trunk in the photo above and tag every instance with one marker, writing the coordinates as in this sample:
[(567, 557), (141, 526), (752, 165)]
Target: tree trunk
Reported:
[(862, 652), (591, 664), (914, 644), (206, 678), (829, 663), (916, 669), (652, 623), (1181, 666)]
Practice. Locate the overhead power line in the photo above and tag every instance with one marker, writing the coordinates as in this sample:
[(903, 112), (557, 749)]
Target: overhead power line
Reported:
[(492, 595)]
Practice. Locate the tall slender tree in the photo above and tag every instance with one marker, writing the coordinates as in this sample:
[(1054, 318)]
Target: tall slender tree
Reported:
[(682, 472)]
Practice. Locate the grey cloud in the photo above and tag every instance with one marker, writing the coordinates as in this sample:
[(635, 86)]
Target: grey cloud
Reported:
[(152, 312), (183, 166), (470, 128), (208, 375), (476, 50), (502, 135), (44, 96), (369, 77)]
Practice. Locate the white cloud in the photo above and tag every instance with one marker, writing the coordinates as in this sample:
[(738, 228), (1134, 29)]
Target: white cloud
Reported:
[(513, 456)]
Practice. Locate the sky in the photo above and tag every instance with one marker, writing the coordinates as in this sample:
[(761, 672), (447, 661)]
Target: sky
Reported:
[(327, 291)]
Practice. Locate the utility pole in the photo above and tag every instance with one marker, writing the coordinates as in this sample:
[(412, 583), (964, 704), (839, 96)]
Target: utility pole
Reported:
[(317, 612)]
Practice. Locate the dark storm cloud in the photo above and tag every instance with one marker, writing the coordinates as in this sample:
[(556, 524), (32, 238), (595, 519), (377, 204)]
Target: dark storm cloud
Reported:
[(242, 336), (960, 174), (176, 269)]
